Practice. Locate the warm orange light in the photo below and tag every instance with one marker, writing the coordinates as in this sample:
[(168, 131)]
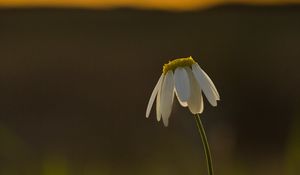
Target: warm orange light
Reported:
[(157, 4)]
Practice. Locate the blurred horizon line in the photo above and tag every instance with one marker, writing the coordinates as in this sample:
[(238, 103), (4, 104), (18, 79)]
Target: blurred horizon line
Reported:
[(226, 5), (191, 5)]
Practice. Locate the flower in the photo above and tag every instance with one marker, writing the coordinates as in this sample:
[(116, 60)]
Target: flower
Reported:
[(187, 80)]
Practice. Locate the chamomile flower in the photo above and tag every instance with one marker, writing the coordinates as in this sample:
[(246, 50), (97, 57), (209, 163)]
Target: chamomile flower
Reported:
[(185, 78)]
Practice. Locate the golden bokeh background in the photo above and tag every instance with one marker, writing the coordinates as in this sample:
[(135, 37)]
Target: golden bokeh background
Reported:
[(148, 4), (76, 76)]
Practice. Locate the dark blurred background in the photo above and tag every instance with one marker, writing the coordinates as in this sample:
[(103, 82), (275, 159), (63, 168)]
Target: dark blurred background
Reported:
[(75, 83)]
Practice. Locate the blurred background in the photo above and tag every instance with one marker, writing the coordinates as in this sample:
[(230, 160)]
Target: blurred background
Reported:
[(76, 77)]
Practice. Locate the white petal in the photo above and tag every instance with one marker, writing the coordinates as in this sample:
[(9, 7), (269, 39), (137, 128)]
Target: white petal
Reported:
[(182, 85), (212, 86), (167, 96), (205, 85), (158, 111), (182, 103), (195, 102), (153, 95)]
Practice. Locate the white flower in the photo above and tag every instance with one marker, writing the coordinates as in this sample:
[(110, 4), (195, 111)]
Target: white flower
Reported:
[(187, 80)]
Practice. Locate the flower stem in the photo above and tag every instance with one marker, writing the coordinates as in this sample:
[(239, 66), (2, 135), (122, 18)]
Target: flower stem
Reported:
[(205, 145)]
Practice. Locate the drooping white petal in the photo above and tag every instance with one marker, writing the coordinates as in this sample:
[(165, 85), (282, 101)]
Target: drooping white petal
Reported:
[(158, 111), (153, 95), (182, 103), (195, 102), (167, 96), (212, 86), (203, 82), (182, 85)]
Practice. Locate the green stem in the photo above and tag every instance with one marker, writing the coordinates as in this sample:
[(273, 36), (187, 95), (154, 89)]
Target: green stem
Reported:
[(205, 144)]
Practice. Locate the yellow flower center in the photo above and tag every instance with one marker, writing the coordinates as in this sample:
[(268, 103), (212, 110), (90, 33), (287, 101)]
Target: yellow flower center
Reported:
[(180, 62)]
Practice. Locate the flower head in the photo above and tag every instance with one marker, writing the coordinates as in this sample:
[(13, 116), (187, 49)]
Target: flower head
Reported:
[(187, 80)]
